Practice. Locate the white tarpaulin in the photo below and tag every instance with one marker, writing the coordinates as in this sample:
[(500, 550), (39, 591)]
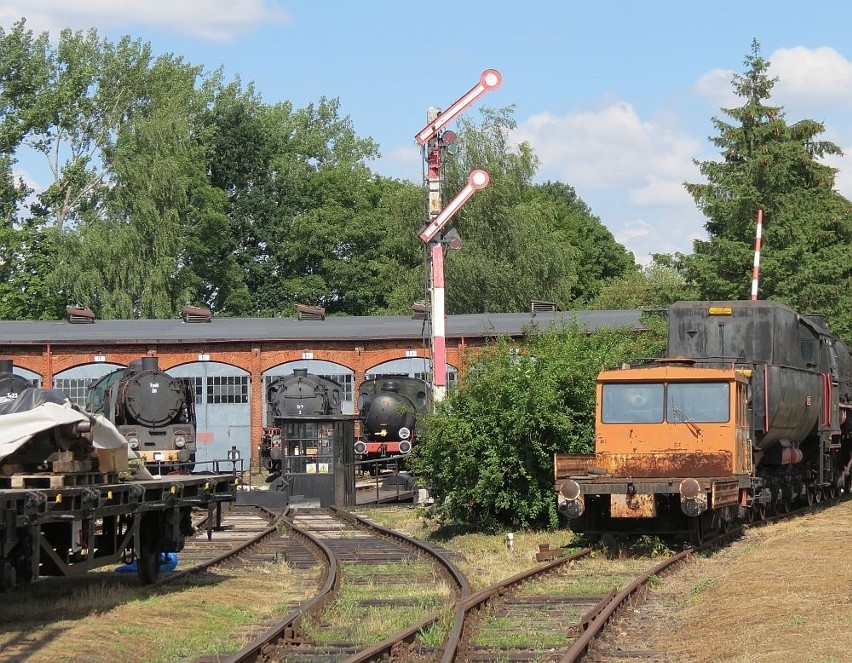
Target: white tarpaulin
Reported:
[(18, 428)]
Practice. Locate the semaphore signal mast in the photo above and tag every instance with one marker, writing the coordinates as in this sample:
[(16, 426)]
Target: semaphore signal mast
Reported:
[(435, 140)]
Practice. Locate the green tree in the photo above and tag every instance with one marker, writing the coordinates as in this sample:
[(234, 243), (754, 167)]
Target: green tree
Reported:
[(655, 286), (770, 165), (488, 450), (127, 256)]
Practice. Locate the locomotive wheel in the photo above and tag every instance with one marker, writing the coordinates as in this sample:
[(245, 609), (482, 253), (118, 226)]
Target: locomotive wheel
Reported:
[(149, 549), (818, 495)]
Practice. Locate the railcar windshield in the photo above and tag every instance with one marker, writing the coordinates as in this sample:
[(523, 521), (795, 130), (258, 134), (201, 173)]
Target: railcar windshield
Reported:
[(655, 402)]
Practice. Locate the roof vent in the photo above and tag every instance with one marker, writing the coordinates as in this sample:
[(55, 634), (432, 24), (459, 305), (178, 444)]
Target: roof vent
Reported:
[(77, 315), (539, 306), (420, 310), (195, 314), (310, 312)]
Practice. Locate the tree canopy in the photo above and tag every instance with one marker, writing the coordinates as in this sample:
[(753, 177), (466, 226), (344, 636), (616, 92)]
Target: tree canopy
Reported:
[(771, 165)]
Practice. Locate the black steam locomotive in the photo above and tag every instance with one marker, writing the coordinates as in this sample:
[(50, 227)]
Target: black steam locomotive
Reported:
[(747, 414), (10, 384), (153, 410), (289, 397), (389, 407)]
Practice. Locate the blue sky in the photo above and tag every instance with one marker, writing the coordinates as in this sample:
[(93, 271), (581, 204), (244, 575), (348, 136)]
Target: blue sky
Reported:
[(616, 98)]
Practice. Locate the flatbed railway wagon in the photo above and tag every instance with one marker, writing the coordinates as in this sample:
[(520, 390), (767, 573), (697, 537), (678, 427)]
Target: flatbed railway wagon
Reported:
[(70, 500)]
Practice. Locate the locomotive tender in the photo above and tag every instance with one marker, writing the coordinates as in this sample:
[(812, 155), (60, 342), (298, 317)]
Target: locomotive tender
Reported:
[(389, 406), (153, 410), (748, 413)]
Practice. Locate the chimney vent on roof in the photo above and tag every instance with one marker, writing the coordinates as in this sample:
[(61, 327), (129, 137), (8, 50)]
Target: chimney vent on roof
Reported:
[(310, 312), (539, 306), (195, 314), (420, 310), (77, 315)]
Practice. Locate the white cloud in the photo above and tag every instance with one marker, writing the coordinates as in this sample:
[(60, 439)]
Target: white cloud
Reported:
[(629, 170), (609, 148), (715, 87), (217, 20), (814, 78)]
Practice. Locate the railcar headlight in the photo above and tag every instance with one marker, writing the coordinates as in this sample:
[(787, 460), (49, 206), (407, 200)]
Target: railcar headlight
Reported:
[(180, 441), (569, 489), (133, 442), (570, 502), (689, 489), (404, 433), (404, 447), (693, 500), (360, 447)]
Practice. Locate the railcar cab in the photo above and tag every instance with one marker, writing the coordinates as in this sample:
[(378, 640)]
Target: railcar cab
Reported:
[(671, 440)]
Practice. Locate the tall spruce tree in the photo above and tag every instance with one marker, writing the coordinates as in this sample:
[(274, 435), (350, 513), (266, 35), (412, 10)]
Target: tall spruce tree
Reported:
[(767, 163)]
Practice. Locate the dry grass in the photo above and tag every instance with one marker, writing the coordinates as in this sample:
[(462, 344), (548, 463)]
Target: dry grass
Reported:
[(484, 558), (131, 624), (782, 593)]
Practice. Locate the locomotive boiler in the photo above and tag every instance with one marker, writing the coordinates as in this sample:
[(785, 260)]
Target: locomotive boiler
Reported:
[(153, 410), (746, 414), (289, 397), (389, 407)]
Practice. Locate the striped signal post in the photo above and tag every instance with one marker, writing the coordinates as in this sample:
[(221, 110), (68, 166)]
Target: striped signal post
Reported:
[(430, 137), (757, 241)]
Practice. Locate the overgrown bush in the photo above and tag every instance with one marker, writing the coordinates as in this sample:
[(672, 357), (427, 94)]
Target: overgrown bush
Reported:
[(487, 452)]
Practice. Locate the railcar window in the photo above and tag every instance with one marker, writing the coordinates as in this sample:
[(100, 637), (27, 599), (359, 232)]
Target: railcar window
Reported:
[(633, 403), (698, 401)]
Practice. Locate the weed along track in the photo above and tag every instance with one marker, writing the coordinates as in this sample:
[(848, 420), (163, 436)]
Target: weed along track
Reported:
[(383, 592)]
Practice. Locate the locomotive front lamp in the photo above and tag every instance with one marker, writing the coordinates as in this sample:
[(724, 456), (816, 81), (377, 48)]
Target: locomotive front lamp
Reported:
[(133, 442), (404, 433), (360, 447), (404, 446), (180, 441)]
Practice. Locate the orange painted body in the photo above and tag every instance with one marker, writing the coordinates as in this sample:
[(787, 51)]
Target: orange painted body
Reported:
[(674, 447)]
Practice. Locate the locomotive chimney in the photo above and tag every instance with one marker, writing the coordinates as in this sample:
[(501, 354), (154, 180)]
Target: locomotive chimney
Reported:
[(149, 363), (5, 365), (300, 372)]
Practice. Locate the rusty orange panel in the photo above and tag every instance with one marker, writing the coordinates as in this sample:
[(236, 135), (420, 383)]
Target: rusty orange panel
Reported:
[(647, 465), (725, 493), (566, 465), (632, 506)]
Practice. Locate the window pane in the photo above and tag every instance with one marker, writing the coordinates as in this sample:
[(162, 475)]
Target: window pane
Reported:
[(633, 403), (699, 401)]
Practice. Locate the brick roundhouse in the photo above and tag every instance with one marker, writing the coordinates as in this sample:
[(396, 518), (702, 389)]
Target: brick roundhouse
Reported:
[(227, 356)]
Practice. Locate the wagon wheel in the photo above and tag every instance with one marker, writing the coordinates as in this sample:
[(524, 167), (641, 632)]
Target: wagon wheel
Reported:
[(809, 496), (818, 495), (149, 548)]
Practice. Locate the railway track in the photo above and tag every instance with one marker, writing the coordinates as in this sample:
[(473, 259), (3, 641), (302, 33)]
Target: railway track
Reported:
[(374, 576)]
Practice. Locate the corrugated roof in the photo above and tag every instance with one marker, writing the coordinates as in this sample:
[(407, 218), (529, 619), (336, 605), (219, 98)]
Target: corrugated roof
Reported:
[(33, 332)]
